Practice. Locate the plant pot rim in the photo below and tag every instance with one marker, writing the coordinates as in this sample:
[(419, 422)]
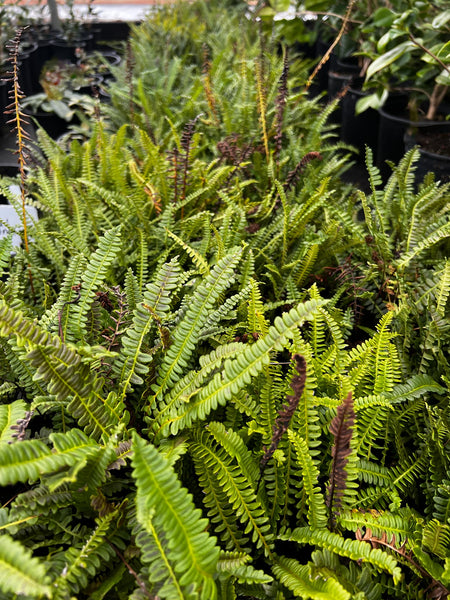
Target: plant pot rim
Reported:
[(410, 141), (406, 121)]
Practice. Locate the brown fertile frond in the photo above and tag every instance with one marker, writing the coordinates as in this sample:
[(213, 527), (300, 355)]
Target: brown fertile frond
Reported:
[(185, 143), (280, 103), (327, 54), (436, 591), (20, 427), (341, 428), (293, 176), (174, 158), (130, 62), (287, 411), (19, 121), (233, 151)]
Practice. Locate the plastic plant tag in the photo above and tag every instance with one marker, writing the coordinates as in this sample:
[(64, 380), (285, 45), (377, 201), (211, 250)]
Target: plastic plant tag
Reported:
[(10, 220)]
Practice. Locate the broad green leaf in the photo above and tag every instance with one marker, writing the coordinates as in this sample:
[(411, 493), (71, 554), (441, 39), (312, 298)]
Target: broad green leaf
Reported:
[(441, 19), (383, 17), (374, 101), (61, 110), (280, 5), (389, 57)]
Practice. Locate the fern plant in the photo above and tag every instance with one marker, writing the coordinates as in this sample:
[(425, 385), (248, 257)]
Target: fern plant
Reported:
[(248, 508)]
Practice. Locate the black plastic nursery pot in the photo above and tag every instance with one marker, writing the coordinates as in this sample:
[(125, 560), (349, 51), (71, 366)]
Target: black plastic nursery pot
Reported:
[(342, 75), (439, 164), (111, 58), (5, 101), (320, 83), (394, 140), (53, 125), (337, 82), (27, 71), (359, 130), (69, 49), (391, 132), (40, 56), (110, 31)]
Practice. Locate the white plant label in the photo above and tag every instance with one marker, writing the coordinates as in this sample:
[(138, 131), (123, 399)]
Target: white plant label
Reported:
[(10, 219)]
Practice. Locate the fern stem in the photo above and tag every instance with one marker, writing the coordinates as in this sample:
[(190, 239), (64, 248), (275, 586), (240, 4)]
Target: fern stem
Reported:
[(20, 122), (327, 54), (132, 572)]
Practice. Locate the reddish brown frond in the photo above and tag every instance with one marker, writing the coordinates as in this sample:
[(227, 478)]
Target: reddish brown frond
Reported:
[(286, 413), (280, 104), (341, 428)]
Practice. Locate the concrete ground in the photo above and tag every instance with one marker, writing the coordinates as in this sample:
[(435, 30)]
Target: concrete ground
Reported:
[(103, 10)]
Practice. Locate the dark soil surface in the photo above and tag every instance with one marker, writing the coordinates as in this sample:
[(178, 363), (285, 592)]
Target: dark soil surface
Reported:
[(432, 141)]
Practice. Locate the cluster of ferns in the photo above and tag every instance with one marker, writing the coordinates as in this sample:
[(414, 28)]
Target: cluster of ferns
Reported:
[(224, 372)]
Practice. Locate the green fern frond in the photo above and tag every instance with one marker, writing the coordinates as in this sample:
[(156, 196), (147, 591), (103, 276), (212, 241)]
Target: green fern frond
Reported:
[(93, 276), (82, 563), (232, 560), (30, 459), (220, 510), (247, 574), (235, 447), (399, 527), (256, 321), (305, 265), (377, 368), (40, 500), (443, 290), (5, 252), (300, 580), (415, 387), (142, 262), (132, 291), (375, 180), (317, 512), (161, 500), (436, 538), (23, 372), (439, 234), (69, 378), (58, 313), (198, 260), (441, 502), (189, 385), (238, 489), (404, 174), (224, 312), (238, 372), (401, 476), (186, 333), (428, 200), (134, 357), (20, 572), (353, 549), (160, 572)]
